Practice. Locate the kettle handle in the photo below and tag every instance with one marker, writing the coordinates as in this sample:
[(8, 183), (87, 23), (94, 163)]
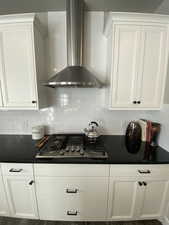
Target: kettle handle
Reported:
[(93, 122)]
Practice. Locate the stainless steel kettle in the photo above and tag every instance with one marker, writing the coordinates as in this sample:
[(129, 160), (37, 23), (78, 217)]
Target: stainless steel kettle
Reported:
[(92, 132)]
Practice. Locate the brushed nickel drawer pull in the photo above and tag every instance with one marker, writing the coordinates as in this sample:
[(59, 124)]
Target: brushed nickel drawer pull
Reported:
[(72, 213), (71, 191), (12, 170), (144, 171)]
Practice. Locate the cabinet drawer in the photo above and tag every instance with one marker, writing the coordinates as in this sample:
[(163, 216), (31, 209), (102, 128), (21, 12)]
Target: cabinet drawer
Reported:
[(80, 214), (140, 170), (72, 197), (71, 170), (17, 169)]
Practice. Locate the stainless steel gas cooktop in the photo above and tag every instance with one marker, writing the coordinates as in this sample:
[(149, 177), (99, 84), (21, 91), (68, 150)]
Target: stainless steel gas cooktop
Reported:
[(71, 146)]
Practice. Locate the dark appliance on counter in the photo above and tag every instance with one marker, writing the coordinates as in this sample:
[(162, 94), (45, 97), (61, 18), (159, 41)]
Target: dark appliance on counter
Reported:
[(71, 146), (133, 137)]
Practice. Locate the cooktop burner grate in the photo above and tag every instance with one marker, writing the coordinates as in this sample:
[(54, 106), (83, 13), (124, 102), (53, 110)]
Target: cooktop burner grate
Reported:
[(71, 146)]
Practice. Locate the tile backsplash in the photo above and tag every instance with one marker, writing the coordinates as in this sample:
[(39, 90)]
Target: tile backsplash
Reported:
[(72, 109)]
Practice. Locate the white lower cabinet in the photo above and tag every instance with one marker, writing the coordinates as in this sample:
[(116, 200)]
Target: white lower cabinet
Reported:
[(122, 199), (74, 192), (20, 190), (133, 199), (21, 197), (72, 197), (154, 198), (143, 196), (4, 209)]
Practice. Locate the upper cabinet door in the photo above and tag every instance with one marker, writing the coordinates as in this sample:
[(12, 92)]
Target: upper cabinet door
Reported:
[(152, 66), (18, 66), (125, 63), (137, 61)]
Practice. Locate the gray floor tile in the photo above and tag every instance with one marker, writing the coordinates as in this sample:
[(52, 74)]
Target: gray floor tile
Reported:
[(16, 221)]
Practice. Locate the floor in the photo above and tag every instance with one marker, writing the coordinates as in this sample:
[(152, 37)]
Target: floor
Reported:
[(14, 221)]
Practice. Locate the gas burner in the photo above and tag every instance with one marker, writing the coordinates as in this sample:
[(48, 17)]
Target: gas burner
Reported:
[(70, 146)]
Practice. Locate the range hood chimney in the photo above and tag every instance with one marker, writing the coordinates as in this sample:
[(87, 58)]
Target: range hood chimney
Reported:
[(75, 74)]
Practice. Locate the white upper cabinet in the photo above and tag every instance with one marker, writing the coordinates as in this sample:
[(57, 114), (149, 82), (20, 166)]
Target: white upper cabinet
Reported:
[(21, 61), (152, 66), (127, 41), (137, 60)]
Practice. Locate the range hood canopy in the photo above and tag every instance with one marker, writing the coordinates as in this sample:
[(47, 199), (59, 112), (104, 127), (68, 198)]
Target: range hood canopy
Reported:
[(75, 74)]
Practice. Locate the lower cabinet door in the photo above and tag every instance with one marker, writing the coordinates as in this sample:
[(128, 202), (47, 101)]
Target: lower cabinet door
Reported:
[(123, 198), (70, 198), (4, 209), (154, 199), (21, 196)]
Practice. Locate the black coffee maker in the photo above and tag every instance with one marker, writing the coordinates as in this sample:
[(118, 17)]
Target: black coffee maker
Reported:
[(133, 137)]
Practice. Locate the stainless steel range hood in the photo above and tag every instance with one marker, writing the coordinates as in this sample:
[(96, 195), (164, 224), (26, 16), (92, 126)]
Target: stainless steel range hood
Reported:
[(75, 74)]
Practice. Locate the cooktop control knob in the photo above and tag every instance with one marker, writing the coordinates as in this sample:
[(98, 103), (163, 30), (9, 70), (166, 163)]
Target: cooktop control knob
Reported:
[(61, 152), (72, 149), (81, 152), (67, 149), (78, 149)]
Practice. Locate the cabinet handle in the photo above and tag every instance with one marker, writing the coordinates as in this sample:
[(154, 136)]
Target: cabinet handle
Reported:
[(144, 171), (33, 101), (31, 182), (72, 213), (71, 191), (134, 102), (140, 183), (144, 183), (12, 170)]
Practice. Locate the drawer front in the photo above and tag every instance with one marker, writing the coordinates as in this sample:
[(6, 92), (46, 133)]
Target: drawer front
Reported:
[(139, 170), (72, 198), (17, 169), (86, 170)]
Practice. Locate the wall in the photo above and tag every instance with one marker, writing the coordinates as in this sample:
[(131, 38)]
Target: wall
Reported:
[(73, 109)]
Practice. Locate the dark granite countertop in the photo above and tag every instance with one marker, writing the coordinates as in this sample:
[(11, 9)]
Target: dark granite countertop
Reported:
[(17, 148), (21, 149)]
